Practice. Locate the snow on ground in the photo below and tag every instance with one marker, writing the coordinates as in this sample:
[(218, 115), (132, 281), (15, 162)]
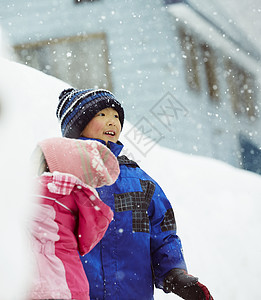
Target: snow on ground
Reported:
[(217, 207)]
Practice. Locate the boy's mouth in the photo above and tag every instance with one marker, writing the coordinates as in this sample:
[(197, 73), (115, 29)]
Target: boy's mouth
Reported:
[(110, 133)]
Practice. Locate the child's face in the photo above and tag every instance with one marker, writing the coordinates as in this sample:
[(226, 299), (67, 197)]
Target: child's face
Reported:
[(105, 125)]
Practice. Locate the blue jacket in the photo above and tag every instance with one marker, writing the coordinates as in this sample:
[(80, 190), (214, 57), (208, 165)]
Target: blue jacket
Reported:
[(140, 245)]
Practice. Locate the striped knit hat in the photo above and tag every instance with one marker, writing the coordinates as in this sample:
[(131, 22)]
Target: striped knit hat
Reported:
[(76, 108), (90, 161)]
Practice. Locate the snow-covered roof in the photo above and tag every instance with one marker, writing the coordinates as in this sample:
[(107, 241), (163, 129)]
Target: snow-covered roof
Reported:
[(239, 20)]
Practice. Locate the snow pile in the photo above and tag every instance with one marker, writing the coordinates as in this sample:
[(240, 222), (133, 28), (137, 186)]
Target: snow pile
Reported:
[(21, 123), (14, 255), (217, 207)]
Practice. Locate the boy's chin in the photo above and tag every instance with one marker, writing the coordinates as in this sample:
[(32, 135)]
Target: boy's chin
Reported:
[(109, 139)]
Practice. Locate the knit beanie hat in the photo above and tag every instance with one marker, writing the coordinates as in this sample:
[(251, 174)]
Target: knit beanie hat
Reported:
[(90, 161), (76, 108)]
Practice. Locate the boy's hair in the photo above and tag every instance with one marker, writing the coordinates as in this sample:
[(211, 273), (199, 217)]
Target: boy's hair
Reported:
[(76, 108)]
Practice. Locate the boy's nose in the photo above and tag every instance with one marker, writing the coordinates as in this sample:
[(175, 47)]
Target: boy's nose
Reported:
[(111, 121)]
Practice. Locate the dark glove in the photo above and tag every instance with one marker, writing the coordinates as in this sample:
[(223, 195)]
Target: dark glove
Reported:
[(188, 287)]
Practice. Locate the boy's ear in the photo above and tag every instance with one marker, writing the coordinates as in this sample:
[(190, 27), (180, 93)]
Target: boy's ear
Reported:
[(38, 162)]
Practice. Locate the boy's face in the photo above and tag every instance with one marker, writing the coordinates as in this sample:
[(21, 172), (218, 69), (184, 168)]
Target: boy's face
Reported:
[(105, 125)]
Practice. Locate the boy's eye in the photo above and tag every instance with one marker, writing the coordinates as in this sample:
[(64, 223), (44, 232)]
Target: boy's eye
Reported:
[(116, 116), (101, 114)]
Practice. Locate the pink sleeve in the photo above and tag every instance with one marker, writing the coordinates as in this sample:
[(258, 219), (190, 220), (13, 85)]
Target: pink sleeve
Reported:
[(94, 219)]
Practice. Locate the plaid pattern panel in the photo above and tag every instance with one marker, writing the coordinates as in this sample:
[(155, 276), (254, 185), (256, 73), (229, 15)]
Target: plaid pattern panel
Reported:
[(61, 183), (168, 222), (138, 203)]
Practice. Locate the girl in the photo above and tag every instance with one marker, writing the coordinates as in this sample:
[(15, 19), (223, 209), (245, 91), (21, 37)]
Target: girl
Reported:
[(70, 216)]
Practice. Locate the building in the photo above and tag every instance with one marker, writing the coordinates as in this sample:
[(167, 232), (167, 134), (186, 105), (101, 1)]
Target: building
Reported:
[(186, 81), (222, 69)]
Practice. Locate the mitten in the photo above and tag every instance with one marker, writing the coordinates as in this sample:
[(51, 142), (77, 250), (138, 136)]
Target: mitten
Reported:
[(188, 287)]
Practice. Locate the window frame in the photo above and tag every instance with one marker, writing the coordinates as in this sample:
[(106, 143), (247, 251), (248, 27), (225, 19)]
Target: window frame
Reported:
[(70, 39), (242, 93)]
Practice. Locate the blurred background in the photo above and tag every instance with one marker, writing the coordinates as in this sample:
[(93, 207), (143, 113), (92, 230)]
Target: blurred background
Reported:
[(187, 73)]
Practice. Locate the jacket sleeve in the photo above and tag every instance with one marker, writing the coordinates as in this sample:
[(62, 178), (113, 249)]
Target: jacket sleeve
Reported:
[(93, 220), (166, 248)]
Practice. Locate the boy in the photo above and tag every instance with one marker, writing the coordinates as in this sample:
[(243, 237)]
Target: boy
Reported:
[(140, 247)]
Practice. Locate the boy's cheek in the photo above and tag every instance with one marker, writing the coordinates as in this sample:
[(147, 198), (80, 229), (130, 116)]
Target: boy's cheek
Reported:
[(98, 128)]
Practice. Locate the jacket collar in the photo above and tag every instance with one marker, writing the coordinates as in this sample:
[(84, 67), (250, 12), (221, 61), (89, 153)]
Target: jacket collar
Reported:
[(114, 147)]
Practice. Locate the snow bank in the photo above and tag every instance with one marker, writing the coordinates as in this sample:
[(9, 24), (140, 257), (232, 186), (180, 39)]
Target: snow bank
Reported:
[(25, 97)]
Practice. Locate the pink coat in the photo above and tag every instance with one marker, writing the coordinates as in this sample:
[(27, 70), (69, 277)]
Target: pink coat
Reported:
[(70, 218)]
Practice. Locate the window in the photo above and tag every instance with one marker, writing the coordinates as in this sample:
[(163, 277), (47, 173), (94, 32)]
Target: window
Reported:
[(196, 55), (241, 84), (241, 87), (190, 55), (209, 61), (250, 155), (81, 61)]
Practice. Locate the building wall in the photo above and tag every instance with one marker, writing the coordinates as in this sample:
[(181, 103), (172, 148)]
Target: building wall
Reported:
[(236, 110), (146, 68)]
